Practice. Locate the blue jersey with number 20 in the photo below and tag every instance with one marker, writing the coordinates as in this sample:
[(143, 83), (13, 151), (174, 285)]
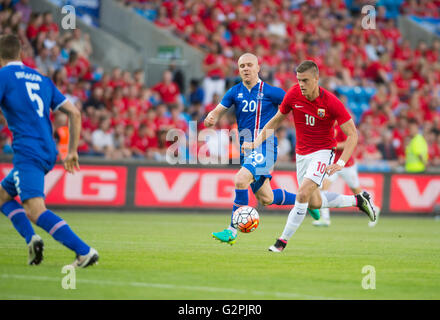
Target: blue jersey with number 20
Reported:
[(26, 98), (253, 108)]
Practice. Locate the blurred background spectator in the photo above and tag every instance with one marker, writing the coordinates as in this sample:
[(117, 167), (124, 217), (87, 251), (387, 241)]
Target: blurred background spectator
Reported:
[(416, 150)]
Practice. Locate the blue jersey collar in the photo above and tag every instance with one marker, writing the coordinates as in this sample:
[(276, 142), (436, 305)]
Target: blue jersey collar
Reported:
[(258, 82)]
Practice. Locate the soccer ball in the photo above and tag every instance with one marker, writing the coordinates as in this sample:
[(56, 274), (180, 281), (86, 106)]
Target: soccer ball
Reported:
[(246, 219)]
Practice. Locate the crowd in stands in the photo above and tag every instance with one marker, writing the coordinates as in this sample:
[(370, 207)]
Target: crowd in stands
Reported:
[(124, 118)]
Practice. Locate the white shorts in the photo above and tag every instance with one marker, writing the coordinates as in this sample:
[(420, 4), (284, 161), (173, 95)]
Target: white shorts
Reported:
[(313, 166), (349, 175)]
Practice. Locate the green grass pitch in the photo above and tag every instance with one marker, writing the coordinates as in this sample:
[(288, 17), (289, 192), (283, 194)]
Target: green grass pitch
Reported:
[(172, 256)]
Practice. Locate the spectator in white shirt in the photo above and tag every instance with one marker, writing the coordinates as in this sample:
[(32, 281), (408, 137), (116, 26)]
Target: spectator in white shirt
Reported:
[(102, 138)]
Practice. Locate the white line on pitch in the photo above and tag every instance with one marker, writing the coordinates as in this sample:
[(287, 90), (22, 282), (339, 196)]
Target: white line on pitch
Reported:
[(172, 286)]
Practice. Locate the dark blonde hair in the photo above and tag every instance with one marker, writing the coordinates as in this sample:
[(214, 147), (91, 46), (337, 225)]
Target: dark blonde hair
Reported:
[(307, 65), (10, 47)]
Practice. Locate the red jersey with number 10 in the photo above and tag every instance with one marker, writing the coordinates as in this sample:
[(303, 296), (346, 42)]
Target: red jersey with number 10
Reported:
[(314, 120)]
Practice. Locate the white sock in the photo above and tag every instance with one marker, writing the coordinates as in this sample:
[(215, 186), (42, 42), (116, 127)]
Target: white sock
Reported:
[(336, 200), (296, 217), (325, 213), (234, 231)]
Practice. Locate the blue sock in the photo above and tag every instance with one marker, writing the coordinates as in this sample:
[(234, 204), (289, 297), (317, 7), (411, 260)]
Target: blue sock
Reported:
[(282, 197), (241, 199), (60, 231), (15, 212)]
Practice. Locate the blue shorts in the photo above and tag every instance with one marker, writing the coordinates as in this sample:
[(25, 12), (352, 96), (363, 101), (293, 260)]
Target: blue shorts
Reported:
[(26, 180), (260, 163)]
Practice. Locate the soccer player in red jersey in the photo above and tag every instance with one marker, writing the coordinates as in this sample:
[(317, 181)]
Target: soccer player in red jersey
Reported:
[(315, 111), (349, 174)]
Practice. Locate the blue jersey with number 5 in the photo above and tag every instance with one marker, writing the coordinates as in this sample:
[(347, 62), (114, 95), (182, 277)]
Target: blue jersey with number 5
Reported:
[(26, 98), (253, 108)]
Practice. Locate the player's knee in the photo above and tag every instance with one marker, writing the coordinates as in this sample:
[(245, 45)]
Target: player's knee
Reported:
[(302, 196), (241, 181), (4, 196), (32, 214), (34, 208), (265, 200), (314, 205), (315, 202)]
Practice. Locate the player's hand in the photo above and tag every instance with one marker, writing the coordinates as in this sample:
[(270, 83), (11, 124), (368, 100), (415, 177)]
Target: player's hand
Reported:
[(247, 146), (209, 120), (71, 162), (331, 169)]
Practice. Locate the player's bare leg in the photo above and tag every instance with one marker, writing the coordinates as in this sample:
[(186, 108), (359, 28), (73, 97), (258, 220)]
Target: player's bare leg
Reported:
[(266, 196), (242, 180), (16, 213), (325, 212)]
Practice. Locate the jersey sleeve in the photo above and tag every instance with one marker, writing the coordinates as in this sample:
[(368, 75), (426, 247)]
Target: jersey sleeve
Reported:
[(228, 98), (286, 104), (57, 97), (339, 111), (278, 95)]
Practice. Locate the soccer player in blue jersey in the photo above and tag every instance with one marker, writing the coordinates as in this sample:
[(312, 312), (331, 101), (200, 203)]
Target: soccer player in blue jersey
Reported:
[(26, 99), (255, 103)]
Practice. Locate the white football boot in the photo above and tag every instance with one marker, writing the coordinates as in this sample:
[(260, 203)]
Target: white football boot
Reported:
[(321, 223), (86, 260), (373, 223), (36, 247)]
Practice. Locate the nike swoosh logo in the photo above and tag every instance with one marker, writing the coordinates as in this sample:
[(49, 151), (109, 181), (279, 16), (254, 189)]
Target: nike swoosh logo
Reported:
[(297, 106), (315, 175)]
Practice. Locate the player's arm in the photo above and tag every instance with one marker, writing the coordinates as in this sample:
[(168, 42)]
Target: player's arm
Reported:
[(266, 132), (340, 145), (349, 145), (213, 117), (71, 161)]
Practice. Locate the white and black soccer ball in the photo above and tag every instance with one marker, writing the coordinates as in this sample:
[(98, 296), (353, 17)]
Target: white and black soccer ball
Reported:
[(246, 219)]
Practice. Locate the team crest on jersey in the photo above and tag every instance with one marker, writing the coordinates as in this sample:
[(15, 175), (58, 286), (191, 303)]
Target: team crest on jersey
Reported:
[(240, 96), (321, 113)]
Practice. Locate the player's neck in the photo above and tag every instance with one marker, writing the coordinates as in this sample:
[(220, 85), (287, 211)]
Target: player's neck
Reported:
[(314, 95), (250, 84)]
